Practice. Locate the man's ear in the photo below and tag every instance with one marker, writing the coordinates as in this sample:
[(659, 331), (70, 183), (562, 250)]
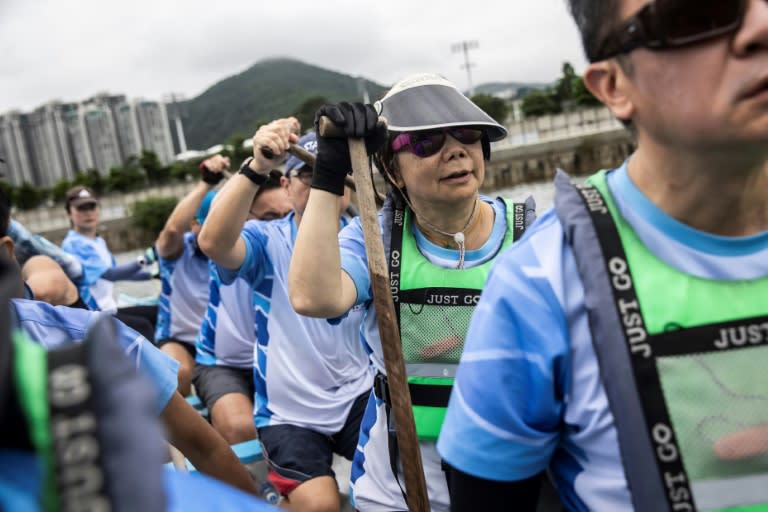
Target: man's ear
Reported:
[(6, 248), (609, 83)]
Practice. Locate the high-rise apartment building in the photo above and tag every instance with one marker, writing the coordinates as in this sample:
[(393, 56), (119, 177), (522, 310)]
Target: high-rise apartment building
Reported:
[(14, 149), (49, 144), (155, 131), (74, 120), (57, 140)]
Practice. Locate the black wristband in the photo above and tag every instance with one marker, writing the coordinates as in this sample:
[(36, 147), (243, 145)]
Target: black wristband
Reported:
[(255, 177)]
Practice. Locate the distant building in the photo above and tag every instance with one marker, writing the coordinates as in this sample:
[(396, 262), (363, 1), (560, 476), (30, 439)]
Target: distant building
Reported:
[(101, 131), (127, 129), (57, 140), (74, 120), (14, 149), (155, 130), (49, 144)]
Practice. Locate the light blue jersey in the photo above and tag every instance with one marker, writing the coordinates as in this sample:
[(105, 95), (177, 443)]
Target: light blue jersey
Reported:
[(55, 326), (227, 335), (96, 259), (307, 371), (183, 294), (21, 480), (528, 394), (374, 485)]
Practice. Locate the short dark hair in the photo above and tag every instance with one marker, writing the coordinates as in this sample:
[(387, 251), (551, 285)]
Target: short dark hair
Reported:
[(5, 213), (594, 19)]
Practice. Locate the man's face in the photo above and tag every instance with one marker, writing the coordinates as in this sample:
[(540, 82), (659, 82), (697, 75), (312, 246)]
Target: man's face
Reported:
[(297, 187), (270, 204), (707, 95)]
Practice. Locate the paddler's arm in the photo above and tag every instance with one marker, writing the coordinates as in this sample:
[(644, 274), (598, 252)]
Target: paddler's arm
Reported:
[(170, 241), (203, 446), (220, 237), (316, 283), (48, 281)]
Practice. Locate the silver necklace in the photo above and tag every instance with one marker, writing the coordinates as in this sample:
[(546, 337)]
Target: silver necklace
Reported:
[(458, 236)]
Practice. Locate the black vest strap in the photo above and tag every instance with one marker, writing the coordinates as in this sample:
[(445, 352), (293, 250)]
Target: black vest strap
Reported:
[(81, 483)]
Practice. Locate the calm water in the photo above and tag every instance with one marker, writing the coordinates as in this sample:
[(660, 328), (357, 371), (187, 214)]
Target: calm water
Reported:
[(543, 193)]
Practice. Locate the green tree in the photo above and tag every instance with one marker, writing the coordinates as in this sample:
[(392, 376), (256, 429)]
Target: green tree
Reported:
[(150, 214), (92, 179), (28, 197), (59, 190), (494, 106), (305, 113), (539, 103), (564, 87), (185, 169), (155, 171), (126, 178)]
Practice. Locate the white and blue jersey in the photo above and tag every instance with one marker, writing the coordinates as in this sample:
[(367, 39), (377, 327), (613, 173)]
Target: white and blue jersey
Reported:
[(528, 394), (227, 334), (96, 259), (183, 294), (55, 326), (307, 371), (374, 485)]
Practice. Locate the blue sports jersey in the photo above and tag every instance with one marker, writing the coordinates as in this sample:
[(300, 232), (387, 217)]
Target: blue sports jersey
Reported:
[(21, 490), (54, 326), (96, 259), (183, 293), (528, 394), (227, 334), (307, 371)]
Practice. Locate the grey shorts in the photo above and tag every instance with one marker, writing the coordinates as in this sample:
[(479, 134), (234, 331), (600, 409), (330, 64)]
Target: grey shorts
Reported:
[(213, 382)]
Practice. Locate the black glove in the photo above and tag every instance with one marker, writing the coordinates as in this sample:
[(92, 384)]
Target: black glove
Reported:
[(211, 178), (333, 162)]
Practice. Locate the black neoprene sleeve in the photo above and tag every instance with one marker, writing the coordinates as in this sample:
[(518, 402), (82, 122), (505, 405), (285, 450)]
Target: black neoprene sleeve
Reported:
[(470, 493)]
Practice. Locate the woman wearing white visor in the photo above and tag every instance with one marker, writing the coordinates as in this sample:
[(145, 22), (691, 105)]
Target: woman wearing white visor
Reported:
[(440, 236)]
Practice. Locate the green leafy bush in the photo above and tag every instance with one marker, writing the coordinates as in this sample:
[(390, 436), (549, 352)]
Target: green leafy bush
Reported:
[(150, 214)]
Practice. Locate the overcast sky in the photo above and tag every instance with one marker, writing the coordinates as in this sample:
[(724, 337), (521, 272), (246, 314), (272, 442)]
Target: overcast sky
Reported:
[(72, 49)]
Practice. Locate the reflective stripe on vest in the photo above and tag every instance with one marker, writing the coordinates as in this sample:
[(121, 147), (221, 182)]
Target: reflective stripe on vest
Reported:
[(698, 347), (417, 282)]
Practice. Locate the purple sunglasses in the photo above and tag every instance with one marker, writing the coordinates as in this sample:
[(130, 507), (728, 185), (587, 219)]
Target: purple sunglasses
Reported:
[(424, 143)]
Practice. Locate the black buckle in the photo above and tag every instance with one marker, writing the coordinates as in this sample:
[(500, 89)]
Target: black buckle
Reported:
[(381, 388)]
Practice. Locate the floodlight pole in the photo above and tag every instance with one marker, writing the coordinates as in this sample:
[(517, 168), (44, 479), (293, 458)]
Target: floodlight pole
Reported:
[(464, 47)]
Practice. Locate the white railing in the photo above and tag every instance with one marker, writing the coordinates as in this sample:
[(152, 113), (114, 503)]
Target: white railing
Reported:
[(113, 206), (558, 126)]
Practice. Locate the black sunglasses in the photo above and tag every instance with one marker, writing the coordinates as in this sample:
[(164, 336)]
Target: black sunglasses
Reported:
[(664, 24), (86, 207)]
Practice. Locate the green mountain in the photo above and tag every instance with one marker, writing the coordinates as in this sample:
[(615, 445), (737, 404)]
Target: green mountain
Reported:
[(269, 89)]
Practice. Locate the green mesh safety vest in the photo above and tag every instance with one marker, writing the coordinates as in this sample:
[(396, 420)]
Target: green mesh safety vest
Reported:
[(683, 361), (434, 306)]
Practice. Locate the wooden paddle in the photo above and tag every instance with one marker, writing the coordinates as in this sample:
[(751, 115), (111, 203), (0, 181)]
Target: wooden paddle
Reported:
[(408, 443)]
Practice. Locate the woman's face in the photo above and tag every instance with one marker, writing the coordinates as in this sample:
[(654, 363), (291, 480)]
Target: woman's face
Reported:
[(450, 176), (85, 218)]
